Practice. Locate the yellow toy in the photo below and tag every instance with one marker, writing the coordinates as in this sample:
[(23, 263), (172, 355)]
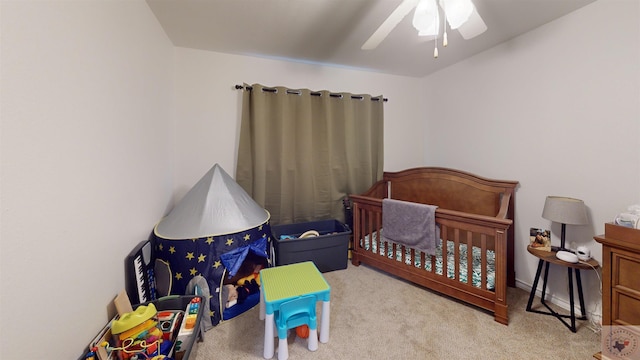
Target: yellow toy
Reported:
[(133, 319), (247, 279), (136, 332)]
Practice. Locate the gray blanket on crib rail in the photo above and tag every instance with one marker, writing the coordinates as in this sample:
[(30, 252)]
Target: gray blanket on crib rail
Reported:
[(410, 224)]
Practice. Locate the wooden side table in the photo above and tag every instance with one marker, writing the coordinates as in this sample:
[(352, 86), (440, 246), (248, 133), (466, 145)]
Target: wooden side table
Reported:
[(549, 257)]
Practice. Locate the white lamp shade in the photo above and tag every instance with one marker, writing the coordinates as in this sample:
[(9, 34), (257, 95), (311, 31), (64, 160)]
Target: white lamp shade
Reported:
[(565, 210)]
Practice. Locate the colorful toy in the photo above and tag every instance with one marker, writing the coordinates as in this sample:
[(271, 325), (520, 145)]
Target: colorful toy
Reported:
[(136, 333), (302, 331), (169, 323), (253, 277), (91, 355), (239, 288), (188, 323), (133, 319)]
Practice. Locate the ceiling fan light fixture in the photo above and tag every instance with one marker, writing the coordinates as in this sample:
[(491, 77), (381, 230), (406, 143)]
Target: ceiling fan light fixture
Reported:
[(426, 18), (457, 11), (460, 14)]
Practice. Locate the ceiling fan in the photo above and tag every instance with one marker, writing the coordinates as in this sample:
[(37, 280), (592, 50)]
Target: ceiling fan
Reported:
[(459, 14)]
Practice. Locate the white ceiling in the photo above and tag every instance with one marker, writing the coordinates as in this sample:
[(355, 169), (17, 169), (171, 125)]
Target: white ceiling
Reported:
[(332, 31)]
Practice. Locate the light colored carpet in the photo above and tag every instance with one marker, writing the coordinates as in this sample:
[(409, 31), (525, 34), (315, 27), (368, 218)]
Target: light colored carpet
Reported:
[(377, 316)]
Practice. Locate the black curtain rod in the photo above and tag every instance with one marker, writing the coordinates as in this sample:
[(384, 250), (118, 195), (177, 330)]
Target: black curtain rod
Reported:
[(313, 93)]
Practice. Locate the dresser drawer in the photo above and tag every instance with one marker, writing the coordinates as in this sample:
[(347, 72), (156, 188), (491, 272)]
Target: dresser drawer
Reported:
[(625, 308), (626, 268)]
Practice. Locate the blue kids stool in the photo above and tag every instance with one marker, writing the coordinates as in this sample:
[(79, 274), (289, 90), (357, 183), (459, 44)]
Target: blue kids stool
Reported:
[(294, 313)]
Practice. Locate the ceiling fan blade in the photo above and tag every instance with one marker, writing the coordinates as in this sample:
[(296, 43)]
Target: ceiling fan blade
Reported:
[(389, 24), (473, 27)]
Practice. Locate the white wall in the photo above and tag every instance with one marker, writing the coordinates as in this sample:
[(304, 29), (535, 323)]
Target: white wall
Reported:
[(557, 109), (208, 108), (86, 94)]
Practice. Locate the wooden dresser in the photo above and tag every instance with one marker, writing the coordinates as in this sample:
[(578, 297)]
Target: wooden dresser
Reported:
[(620, 279)]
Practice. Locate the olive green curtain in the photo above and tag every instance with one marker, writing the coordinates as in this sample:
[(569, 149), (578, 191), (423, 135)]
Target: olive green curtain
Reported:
[(301, 151)]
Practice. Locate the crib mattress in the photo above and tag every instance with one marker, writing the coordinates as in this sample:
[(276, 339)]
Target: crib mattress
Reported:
[(476, 280)]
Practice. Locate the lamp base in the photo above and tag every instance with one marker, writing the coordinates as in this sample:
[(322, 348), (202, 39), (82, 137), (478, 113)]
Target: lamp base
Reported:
[(563, 231)]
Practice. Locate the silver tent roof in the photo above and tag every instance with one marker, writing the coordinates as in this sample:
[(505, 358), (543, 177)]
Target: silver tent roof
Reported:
[(216, 205)]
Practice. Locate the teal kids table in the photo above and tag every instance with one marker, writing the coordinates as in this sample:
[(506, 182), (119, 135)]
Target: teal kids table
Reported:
[(282, 283)]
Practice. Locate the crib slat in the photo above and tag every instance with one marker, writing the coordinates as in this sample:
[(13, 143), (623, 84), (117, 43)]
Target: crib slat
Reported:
[(368, 225), (359, 223), (443, 238), (445, 250), (406, 255), (456, 255), (365, 224), (469, 257), (377, 218), (412, 257), (483, 266)]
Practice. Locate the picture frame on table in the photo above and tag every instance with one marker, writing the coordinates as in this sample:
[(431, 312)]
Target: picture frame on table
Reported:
[(540, 239)]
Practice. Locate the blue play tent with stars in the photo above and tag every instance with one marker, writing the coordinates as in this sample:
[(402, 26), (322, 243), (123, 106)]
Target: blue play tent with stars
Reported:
[(210, 234)]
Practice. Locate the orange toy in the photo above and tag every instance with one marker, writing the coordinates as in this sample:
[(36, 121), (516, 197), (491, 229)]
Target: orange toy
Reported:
[(302, 331)]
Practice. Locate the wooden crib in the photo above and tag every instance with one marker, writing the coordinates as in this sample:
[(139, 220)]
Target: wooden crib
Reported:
[(475, 217)]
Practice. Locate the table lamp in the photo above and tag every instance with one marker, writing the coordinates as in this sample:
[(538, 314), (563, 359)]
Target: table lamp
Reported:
[(565, 210)]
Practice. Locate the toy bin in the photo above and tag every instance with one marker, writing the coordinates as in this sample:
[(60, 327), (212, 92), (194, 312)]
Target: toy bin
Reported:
[(190, 330), (328, 250), (181, 324)]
